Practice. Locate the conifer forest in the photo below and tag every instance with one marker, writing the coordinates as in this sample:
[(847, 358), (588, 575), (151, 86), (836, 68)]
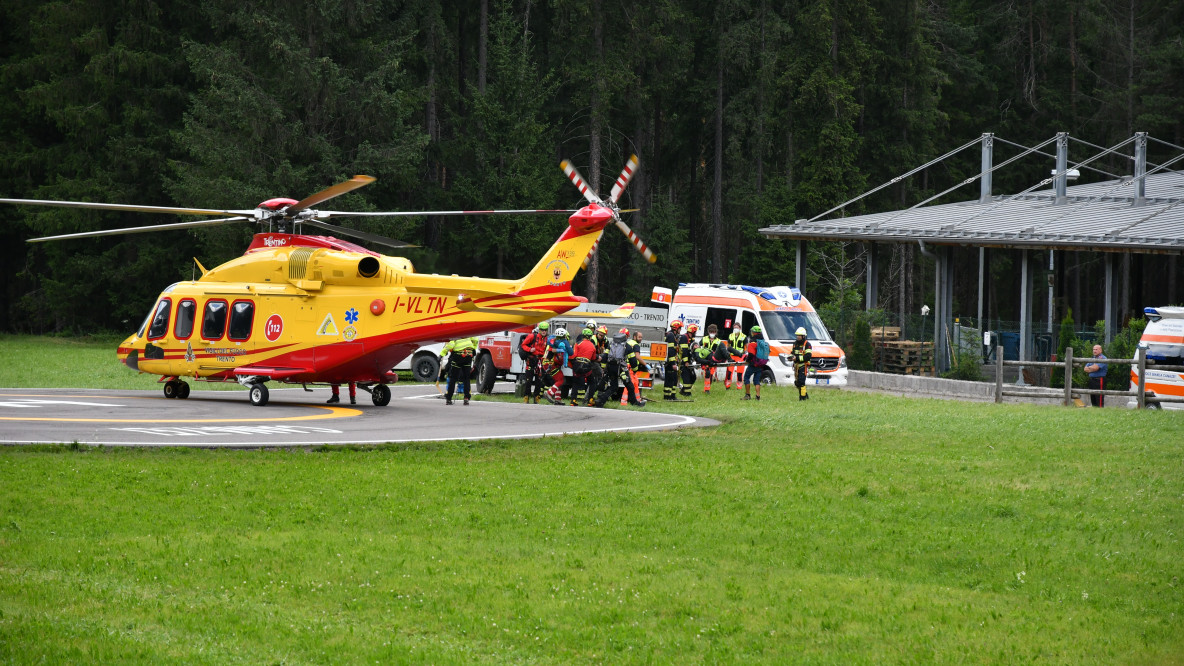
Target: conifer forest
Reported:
[(744, 114)]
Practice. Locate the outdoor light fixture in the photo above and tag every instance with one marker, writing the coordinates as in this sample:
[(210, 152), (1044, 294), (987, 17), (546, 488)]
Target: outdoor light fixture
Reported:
[(924, 310), (1070, 174)]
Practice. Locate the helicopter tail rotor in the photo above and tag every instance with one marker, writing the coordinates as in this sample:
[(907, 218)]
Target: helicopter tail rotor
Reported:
[(618, 187)]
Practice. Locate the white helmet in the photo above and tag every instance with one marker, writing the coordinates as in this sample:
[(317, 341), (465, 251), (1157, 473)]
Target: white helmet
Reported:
[(591, 323), (801, 330), (561, 332)]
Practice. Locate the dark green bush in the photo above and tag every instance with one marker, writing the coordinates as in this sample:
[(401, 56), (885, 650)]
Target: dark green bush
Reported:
[(861, 356)]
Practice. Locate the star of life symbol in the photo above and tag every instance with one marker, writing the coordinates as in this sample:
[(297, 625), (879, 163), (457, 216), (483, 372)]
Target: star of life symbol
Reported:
[(351, 316)]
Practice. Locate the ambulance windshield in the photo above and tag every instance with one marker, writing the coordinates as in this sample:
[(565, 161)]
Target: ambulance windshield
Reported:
[(780, 325)]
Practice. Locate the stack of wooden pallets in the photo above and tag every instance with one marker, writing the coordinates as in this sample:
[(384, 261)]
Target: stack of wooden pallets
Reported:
[(885, 334), (904, 357)]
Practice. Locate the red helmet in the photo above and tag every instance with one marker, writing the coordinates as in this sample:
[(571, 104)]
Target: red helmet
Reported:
[(691, 328), (623, 331), (676, 324), (602, 329)]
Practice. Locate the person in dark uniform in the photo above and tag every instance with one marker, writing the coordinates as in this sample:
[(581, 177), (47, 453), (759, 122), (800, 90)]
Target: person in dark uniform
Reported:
[(671, 370), (686, 358), (802, 352)]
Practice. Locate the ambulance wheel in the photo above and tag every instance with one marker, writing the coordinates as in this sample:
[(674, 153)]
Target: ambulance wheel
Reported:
[(381, 395), (485, 374), (170, 389), (182, 389), (258, 395), (768, 378), (425, 368)]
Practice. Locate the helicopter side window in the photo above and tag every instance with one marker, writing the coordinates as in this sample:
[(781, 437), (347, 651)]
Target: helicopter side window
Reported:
[(186, 314), (242, 316), (213, 320), (160, 319)]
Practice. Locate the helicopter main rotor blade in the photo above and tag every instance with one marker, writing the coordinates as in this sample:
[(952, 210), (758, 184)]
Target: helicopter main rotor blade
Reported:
[(633, 238), (140, 230), (578, 180), (126, 207), (364, 235), (325, 214), (330, 192), (623, 179)]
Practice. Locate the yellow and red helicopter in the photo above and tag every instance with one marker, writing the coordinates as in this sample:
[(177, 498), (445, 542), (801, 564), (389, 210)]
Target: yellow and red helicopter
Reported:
[(307, 309)]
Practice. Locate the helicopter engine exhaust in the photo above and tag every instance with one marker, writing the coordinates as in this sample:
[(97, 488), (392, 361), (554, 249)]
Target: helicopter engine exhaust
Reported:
[(368, 267)]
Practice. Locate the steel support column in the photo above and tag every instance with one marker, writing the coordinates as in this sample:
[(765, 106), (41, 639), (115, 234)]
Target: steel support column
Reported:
[(872, 291), (943, 318), (1025, 306), (1110, 312), (800, 267), (982, 261)]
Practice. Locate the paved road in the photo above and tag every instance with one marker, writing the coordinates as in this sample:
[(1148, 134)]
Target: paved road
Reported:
[(295, 418)]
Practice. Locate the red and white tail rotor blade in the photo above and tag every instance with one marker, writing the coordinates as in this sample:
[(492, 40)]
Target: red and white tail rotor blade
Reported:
[(637, 242), (623, 179), (592, 252), (578, 180)]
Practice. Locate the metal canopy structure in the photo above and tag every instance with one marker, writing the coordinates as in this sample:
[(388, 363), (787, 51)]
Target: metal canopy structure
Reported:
[(1099, 217), (1141, 213)]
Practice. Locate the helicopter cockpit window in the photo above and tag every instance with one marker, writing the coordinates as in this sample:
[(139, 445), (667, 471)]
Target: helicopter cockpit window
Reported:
[(213, 320), (160, 319), (186, 315), (241, 317)]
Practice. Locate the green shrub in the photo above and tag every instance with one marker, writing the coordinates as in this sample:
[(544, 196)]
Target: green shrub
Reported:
[(861, 356), (1067, 337), (967, 366), (1124, 345)]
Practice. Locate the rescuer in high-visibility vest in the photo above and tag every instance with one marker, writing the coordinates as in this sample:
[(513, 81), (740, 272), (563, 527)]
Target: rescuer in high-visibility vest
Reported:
[(736, 343), (706, 353), (461, 353)]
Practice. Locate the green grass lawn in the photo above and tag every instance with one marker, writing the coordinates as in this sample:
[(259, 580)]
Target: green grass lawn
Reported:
[(854, 528)]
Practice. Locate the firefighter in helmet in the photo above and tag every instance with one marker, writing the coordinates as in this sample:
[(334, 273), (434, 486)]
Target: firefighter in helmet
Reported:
[(801, 353), (671, 369)]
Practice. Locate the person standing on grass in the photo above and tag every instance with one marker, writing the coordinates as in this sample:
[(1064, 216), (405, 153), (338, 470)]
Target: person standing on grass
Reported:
[(736, 342), (755, 359), (1097, 377)]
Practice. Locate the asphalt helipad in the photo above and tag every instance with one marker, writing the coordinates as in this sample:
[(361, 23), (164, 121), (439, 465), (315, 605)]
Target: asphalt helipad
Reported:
[(294, 417)]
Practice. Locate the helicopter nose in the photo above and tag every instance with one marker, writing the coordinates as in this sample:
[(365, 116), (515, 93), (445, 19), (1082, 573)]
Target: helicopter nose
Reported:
[(132, 360)]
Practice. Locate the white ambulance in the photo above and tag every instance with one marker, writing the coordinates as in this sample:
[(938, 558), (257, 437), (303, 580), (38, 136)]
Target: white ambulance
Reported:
[(1164, 341), (779, 311)]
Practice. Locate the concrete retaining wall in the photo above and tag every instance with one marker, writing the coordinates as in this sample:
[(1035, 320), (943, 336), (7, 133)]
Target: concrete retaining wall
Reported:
[(933, 387)]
